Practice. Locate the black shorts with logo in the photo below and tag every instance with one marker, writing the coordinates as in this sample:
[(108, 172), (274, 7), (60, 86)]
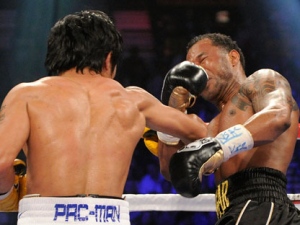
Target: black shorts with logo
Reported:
[(255, 196)]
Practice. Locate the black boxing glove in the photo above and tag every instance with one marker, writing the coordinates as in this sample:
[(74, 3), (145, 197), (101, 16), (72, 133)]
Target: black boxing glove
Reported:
[(181, 86), (204, 156), (185, 165), (186, 74)]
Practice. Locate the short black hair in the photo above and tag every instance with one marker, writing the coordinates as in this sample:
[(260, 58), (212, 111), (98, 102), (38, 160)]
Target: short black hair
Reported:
[(220, 40), (80, 40)]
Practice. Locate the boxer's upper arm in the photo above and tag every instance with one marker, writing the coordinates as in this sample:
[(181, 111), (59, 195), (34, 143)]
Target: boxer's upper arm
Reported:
[(14, 123), (267, 89), (272, 101)]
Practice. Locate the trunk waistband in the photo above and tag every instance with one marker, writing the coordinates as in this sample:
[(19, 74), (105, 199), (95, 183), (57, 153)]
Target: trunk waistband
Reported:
[(35, 210), (259, 184), (75, 196)]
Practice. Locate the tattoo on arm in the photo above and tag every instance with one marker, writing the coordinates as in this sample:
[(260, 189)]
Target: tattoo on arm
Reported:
[(260, 88), (291, 101), (240, 103), (256, 88), (294, 105)]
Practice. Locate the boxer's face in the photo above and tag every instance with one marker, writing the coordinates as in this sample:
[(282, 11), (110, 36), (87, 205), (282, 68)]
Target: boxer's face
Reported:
[(216, 62)]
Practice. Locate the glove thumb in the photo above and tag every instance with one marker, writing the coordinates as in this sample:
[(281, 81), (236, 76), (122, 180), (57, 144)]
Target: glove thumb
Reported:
[(212, 164)]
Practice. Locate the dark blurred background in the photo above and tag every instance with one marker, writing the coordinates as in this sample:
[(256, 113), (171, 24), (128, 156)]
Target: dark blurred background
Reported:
[(155, 35)]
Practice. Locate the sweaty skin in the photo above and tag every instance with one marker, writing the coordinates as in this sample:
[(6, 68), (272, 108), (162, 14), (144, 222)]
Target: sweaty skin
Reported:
[(262, 102), (79, 132)]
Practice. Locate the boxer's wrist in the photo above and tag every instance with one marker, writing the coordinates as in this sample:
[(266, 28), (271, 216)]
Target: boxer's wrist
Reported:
[(167, 139), (234, 140)]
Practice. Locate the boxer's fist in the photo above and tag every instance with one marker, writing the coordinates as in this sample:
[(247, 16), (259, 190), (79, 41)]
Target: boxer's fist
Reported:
[(190, 78), (204, 156), (189, 163)]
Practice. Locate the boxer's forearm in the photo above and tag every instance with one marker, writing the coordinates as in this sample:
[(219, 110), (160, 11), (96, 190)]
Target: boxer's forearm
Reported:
[(267, 126)]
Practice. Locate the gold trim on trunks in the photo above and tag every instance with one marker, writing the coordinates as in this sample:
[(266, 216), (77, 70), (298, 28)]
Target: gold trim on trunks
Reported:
[(222, 202)]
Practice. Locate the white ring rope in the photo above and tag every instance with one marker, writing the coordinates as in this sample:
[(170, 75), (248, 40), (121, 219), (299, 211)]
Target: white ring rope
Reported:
[(175, 202)]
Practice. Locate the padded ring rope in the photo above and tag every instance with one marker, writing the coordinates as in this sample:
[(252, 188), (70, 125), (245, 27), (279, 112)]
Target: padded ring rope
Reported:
[(175, 202)]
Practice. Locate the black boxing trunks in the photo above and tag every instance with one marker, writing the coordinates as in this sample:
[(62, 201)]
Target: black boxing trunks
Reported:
[(255, 196), (80, 209)]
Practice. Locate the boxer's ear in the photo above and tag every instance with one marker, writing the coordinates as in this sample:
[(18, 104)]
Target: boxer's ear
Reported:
[(234, 57), (107, 69)]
